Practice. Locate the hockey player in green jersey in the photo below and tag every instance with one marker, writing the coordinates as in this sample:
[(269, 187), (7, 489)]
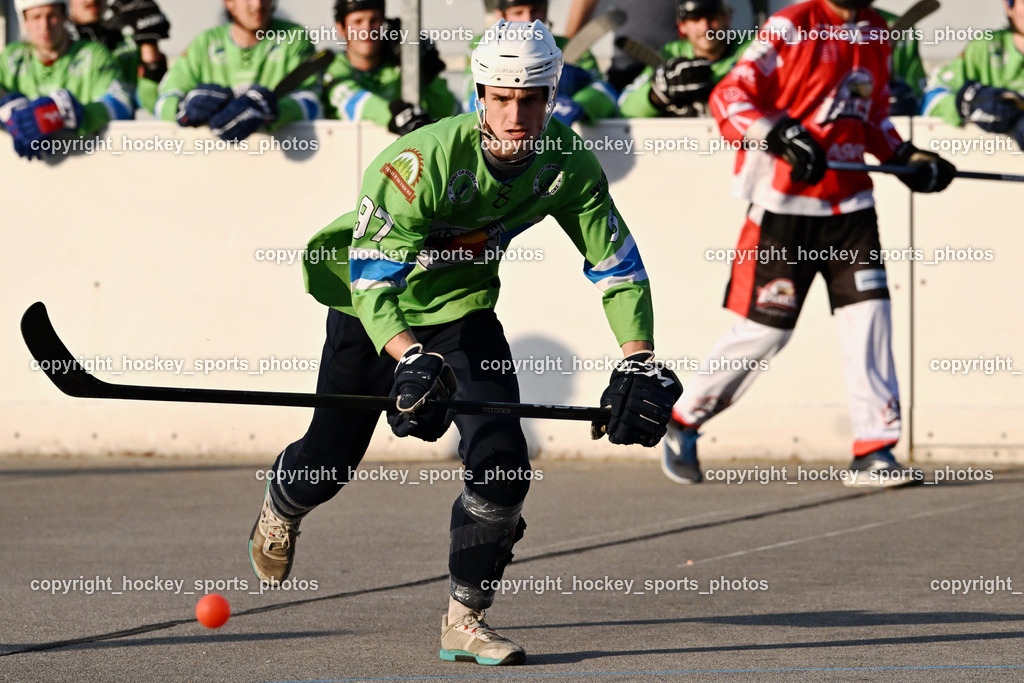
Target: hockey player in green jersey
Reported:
[(583, 95), (985, 84), (693, 65), (226, 76), (52, 84), (411, 313), (364, 82), (907, 82), (130, 29)]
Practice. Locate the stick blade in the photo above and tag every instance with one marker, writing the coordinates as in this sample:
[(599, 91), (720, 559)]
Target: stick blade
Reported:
[(53, 356)]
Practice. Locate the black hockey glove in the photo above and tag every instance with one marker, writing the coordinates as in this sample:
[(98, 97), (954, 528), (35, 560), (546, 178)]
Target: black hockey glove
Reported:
[(243, 115), (641, 394), (902, 99), (147, 22), (680, 82), (202, 102), (994, 110), (932, 173), (423, 385), (405, 117), (793, 144), (1018, 133)]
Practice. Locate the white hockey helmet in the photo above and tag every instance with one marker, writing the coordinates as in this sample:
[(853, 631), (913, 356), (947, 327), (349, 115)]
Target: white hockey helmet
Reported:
[(21, 5), (517, 54)]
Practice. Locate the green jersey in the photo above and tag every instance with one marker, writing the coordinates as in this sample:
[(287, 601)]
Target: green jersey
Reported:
[(635, 102), (432, 225), (213, 57), (87, 70), (906, 59), (596, 98), (353, 95), (996, 62)]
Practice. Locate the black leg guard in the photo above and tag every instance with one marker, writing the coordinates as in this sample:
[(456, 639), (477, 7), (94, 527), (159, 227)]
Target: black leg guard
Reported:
[(482, 536)]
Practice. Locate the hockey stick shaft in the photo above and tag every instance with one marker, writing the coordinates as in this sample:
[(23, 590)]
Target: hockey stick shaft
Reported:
[(895, 169), (914, 14), (71, 378), (640, 52), (591, 32), (310, 66)]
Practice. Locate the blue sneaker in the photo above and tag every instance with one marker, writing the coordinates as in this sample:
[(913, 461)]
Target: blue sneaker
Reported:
[(679, 462), (879, 468)]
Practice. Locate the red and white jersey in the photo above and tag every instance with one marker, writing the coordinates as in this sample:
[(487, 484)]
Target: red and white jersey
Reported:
[(831, 76)]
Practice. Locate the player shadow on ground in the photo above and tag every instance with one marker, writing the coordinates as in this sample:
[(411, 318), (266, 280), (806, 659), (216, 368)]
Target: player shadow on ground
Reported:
[(197, 639), (576, 657), (826, 619)]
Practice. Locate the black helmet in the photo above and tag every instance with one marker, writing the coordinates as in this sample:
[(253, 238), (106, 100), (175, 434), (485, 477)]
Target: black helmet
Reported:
[(694, 9), (343, 7), (503, 5)]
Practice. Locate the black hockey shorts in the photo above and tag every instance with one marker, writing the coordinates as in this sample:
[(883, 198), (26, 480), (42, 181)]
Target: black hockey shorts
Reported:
[(778, 256), (476, 349)]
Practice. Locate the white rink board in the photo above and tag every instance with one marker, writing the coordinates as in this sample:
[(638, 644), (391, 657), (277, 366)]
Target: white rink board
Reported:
[(167, 269)]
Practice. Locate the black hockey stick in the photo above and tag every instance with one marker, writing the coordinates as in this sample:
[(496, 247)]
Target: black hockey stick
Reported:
[(308, 67), (591, 33), (916, 13), (640, 52), (896, 169), (70, 377)]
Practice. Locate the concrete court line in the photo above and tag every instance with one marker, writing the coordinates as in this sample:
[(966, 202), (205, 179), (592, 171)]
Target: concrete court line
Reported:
[(862, 527)]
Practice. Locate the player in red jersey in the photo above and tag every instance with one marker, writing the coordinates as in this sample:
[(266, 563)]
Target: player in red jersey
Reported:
[(812, 89)]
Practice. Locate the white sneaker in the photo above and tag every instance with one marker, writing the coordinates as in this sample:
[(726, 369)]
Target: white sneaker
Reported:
[(272, 544), (470, 639)]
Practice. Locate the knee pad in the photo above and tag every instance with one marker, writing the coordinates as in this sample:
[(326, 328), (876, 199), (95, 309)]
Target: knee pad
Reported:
[(502, 478), (482, 536)]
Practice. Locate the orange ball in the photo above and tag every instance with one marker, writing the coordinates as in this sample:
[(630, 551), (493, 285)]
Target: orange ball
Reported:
[(213, 610)]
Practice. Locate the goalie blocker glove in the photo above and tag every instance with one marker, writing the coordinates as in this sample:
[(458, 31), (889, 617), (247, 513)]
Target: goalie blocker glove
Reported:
[(680, 82), (932, 173), (423, 384), (994, 110), (641, 394), (405, 117), (791, 142), (202, 102), (242, 116)]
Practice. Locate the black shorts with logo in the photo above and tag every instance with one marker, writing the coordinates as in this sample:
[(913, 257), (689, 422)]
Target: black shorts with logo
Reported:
[(778, 256)]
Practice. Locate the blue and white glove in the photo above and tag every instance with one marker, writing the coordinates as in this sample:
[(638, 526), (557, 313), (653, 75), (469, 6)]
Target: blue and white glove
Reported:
[(202, 102), (36, 121), (243, 115), (10, 103), (994, 110), (572, 80), (567, 111)]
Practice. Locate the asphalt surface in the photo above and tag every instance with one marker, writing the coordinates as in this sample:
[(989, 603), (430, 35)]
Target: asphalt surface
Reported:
[(622, 575)]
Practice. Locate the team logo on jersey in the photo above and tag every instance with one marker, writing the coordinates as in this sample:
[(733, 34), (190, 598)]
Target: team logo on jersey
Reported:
[(779, 293), (405, 171), (851, 99), (217, 54), (462, 187), (448, 244), (81, 64), (548, 180)]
